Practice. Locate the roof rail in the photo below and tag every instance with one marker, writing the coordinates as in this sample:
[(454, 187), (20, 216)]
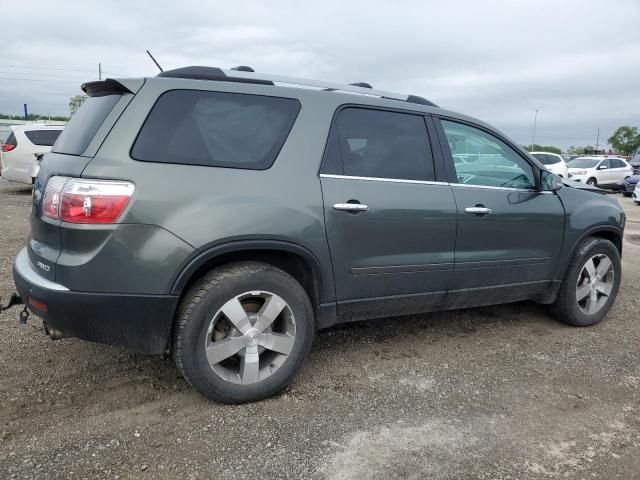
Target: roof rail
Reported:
[(243, 75), (361, 84)]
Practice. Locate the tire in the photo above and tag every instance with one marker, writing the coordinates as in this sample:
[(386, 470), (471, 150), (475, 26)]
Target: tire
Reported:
[(593, 182), (568, 308), (200, 327)]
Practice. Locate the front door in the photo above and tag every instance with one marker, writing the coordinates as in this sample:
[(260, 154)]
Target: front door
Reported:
[(509, 233), (391, 227)]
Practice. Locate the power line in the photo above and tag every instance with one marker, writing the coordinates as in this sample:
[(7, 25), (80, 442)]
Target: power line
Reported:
[(39, 80), (39, 67), (3, 72), (40, 93)]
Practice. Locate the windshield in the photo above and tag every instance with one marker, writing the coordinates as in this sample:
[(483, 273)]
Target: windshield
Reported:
[(635, 161), (583, 163)]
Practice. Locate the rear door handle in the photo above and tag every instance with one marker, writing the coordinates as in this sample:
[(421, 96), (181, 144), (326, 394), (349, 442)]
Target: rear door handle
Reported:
[(478, 210), (350, 207)]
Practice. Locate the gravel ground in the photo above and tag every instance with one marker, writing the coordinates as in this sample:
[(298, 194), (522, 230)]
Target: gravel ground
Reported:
[(500, 392)]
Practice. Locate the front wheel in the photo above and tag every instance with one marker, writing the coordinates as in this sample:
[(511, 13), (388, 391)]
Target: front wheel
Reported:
[(243, 332), (590, 285), (593, 182)]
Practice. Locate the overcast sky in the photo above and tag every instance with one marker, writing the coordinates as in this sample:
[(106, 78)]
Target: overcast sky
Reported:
[(578, 62)]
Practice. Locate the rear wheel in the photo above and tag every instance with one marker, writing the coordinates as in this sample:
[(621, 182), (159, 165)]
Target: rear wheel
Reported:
[(593, 182), (243, 332), (590, 285)]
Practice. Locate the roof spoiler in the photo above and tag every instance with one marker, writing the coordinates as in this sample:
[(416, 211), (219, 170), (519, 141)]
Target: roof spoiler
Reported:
[(109, 85)]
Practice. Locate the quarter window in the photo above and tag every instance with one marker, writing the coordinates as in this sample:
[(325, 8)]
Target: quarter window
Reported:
[(380, 144), (216, 129), (482, 159)]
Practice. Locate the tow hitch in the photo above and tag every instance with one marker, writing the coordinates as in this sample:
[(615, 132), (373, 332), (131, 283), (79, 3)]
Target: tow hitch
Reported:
[(15, 299)]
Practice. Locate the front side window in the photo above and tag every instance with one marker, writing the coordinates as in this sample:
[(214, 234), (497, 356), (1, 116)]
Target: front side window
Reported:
[(382, 144), (482, 159), (217, 129)]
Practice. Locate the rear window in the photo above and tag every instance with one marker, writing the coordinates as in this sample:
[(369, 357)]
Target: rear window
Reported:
[(546, 159), (42, 137), (11, 140), (77, 135), (217, 129)]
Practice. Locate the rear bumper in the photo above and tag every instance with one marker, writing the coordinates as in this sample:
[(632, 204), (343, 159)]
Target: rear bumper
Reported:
[(139, 322)]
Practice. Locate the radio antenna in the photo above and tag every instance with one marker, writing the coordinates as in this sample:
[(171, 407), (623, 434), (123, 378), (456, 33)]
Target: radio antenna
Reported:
[(154, 61)]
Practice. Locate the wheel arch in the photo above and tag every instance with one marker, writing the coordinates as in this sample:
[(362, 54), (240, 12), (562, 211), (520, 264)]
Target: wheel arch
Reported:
[(608, 232), (290, 257)]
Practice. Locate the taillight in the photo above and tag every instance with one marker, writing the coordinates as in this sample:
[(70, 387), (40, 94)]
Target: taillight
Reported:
[(86, 201), (7, 147)]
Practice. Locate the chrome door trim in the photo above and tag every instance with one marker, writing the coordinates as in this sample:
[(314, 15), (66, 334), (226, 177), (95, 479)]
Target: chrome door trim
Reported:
[(509, 189), (376, 179)]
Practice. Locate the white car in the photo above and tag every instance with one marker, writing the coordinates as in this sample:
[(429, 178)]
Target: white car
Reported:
[(599, 171), (18, 158), (636, 194), (553, 162)]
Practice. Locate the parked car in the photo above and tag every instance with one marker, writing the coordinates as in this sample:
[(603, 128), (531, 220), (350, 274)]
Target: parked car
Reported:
[(599, 171), (554, 163), (636, 194), (18, 154), (628, 185), (635, 163), (223, 216)]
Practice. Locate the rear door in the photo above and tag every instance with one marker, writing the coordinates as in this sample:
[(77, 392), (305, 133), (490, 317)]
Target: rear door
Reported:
[(620, 170), (605, 172), (390, 223), (509, 233)]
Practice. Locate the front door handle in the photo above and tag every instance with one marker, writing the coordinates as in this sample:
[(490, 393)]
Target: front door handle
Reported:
[(478, 210), (351, 207)]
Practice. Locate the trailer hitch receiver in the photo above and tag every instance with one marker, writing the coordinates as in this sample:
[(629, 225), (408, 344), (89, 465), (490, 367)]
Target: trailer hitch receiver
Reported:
[(15, 299)]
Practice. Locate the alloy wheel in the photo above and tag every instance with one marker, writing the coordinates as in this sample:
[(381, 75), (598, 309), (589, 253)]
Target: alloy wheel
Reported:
[(250, 337), (594, 284)]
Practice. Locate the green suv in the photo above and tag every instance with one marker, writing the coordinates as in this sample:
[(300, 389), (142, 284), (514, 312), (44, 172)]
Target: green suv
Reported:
[(223, 216)]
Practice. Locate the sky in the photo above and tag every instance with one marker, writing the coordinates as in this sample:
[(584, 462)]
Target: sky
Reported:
[(577, 62)]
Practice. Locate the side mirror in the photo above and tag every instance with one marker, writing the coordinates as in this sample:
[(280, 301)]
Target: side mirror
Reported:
[(550, 182), (602, 167)]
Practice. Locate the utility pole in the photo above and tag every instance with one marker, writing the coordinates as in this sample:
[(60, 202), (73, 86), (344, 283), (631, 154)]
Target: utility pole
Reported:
[(99, 71), (535, 120), (597, 139)]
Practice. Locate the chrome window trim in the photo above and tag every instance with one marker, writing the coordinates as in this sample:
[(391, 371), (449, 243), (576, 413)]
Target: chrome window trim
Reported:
[(489, 187), (428, 182), (378, 179)]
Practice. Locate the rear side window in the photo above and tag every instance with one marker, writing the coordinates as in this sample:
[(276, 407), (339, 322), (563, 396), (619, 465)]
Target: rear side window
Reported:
[(217, 129), (617, 163), (381, 144), (42, 137), (77, 135), (546, 159)]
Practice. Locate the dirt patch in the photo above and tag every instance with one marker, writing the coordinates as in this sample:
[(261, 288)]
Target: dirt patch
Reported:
[(497, 392)]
